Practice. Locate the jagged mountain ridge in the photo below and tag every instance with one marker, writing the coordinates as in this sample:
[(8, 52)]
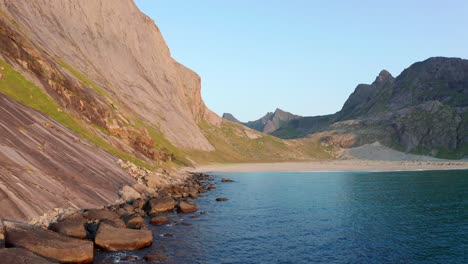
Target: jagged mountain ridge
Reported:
[(269, 123), (423, 110)]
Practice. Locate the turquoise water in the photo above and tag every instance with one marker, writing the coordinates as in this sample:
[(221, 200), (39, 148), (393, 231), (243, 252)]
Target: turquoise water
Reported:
[(339, 217)]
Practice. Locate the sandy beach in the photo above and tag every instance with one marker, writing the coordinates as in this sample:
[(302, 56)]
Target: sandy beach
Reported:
[(337, 165)]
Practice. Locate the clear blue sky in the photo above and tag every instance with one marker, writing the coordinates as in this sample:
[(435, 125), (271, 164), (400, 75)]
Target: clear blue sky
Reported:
[(302, 56)]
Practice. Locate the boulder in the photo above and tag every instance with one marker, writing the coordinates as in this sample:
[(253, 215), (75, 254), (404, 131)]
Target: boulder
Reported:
[(115, 239), (226, 180), (161, 205), (211, 187), (186, 207), (19, 255), (73, 226), (129, 194), (139, 204), (118, 223), (155, 257), (134, 221), (194, 194), (144, 190), (156, 181), (48, 244), (221, 199), (160, 220), (100, 214)]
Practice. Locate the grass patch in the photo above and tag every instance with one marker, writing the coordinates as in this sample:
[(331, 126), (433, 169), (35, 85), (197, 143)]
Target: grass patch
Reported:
[(17, 87), (84, 80)]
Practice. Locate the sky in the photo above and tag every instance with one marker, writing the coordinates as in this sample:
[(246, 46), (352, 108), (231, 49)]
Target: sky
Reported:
[(302, 56)]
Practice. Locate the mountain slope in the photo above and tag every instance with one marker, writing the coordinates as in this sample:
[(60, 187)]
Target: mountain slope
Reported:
[(424, 110)]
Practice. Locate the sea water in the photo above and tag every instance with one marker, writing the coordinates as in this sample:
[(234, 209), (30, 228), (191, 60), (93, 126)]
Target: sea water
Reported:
[(325, 217)]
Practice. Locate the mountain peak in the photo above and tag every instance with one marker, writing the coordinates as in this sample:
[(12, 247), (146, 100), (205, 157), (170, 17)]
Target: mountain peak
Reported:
[(230, 117), (384, 75)]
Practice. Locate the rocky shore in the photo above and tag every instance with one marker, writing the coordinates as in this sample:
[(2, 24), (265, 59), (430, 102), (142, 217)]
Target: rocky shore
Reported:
[(74, 236)]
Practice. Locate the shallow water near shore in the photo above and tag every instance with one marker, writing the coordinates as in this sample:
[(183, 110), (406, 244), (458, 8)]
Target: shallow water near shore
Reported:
[(322, 217)]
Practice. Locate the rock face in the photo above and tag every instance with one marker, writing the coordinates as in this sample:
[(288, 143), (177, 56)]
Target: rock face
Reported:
[(231, 118), (45, 166), (123, 51), (19, 255), (49, 244), (115, 239), (423, 110)]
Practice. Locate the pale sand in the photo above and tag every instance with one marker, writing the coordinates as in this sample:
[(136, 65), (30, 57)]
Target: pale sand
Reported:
[(336, 165)]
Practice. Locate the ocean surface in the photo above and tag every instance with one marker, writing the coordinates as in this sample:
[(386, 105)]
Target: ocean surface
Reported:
[(317, 217)]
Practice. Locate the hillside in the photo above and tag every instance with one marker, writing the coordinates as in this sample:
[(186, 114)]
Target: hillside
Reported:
[(424, 110), (85, 83)]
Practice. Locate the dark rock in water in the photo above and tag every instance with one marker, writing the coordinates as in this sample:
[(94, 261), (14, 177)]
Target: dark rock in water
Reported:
[(115, 239), (160, 220), (212, 187), (167, 235), (19, 255), (134, 221), (155, 257), (222, 199), (186, 207), (2, 234), (73, 226), (183, 224), (161, 205), (49, 244), (226, 180)]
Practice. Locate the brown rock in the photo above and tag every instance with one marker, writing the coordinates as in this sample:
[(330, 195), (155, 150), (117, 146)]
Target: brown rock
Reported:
[(155, 257), (115, 239), (212, 187), (2, 234), (222, 199), (134, 221), (73, 226), (129, 194), (160, 220), (48, 244), (100, 214), (161, 205), (19, 255), (117, 223), (139, 204), (194, 194), (186, 207)]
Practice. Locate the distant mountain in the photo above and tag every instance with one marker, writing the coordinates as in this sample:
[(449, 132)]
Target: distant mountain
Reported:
[(269, 123), (231, 118), (424, 110)]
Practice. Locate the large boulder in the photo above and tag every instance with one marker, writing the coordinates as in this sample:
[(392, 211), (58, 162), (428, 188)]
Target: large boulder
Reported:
[(19, 255), (186, 207), (73, 226), (115, 239), (48, 244), (134, 221), (100, 214), (161, 205)]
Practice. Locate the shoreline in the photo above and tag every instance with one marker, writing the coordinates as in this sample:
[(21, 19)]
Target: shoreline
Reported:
[(335, 166)]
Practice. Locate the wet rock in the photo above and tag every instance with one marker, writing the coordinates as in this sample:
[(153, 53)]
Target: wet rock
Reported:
[(129, 194), (226, 180), (19, 255), (160, 220), (130, 258), (211, 187), (115, 239), (48, 244), (73, 226), (186, 207), (161, 205), (155, 257), (134, 221), (221, 199)]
